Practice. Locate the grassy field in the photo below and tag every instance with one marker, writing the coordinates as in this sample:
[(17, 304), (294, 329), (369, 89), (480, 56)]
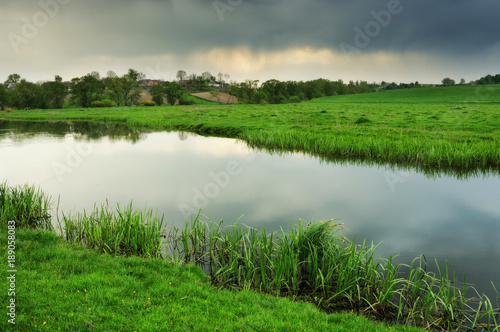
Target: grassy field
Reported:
[(446, 127)]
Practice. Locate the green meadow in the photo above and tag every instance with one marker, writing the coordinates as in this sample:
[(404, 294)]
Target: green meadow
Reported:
[(432, 127), (104, 272), (109, 270)]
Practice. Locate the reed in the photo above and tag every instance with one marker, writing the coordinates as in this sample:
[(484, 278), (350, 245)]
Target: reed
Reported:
[(27, 205), (123, 232), (316, 264)]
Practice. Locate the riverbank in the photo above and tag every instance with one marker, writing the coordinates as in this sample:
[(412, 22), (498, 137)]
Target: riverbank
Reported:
[(437, 127), (60, 286)]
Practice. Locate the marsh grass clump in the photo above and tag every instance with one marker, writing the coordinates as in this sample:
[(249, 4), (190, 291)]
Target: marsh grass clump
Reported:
[(314, 263), (126, 231), (27, 205), (362, 120)]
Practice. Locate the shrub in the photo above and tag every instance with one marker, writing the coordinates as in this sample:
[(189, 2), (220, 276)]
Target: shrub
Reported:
[(294, 99), (186, 99), (147, 103), (103, 103)]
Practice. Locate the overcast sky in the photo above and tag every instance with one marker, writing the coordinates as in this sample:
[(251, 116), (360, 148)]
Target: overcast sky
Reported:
[(391, 40)]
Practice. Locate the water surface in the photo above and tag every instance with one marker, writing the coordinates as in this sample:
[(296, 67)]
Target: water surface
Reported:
[(177, 174)]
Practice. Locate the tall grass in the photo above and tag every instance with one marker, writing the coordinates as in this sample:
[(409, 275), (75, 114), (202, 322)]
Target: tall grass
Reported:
[(438, 152), (123, 232), (316, 264), (27, 205)]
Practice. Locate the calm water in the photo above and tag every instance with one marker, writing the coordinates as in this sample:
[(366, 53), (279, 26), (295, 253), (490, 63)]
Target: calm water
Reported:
[(177, 173)]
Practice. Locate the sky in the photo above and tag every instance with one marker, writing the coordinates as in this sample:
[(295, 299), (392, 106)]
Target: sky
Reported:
[(374, 41)]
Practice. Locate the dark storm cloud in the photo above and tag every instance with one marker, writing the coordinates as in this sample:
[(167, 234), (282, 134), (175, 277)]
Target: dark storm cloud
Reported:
[(177, 26), (131, 29)]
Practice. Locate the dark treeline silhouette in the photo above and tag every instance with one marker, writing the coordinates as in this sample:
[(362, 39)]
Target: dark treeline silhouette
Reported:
[(489, 79)]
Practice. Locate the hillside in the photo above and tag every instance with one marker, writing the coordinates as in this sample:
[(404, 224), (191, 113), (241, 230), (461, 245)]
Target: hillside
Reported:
[(451, 94)]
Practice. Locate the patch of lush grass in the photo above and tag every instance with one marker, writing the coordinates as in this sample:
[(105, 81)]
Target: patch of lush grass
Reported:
[(317, 265), (62, 287), (440, 94), (27, 205), (123, 232)]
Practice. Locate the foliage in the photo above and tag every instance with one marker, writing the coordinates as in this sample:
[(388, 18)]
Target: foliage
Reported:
[(27, 206), (55, 93), (173, 91), (13, 79), (426, 128), (27, 95), (124, 90), (316, 264), (86, 89), (4, 96), (448, 81), (187, 99), (147, 103), (156, 92), (489, 79), (78, 289), (124, 232), (181, 75), (103, 103)]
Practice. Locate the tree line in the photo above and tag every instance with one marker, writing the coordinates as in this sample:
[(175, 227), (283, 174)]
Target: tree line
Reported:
[(92, 90)]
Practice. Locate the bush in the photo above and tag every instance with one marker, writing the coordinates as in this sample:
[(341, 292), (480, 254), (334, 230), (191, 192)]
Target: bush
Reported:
[(294, 99), (186, 99), (147, 103), (103, 103)]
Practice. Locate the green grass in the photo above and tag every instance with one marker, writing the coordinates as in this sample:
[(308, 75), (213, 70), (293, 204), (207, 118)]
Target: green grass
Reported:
[(63, 287), (441, 94), (316, 264), (27, 205), (455, 128), (312, 263), (124, 232)]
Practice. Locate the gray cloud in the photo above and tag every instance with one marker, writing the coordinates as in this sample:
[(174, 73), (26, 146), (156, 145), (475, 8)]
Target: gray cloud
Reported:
[(132, 28)]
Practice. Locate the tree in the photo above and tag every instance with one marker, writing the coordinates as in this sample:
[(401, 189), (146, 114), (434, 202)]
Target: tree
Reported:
[(207, 76), (95, 74), (4, 96), (13, 79), (55, 92), (173, 91), (114, 87), (462, 81), (28, 95), (156, 92), (448, 81), (86, 89), (124, 90), (181, 75), (135, 75)]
